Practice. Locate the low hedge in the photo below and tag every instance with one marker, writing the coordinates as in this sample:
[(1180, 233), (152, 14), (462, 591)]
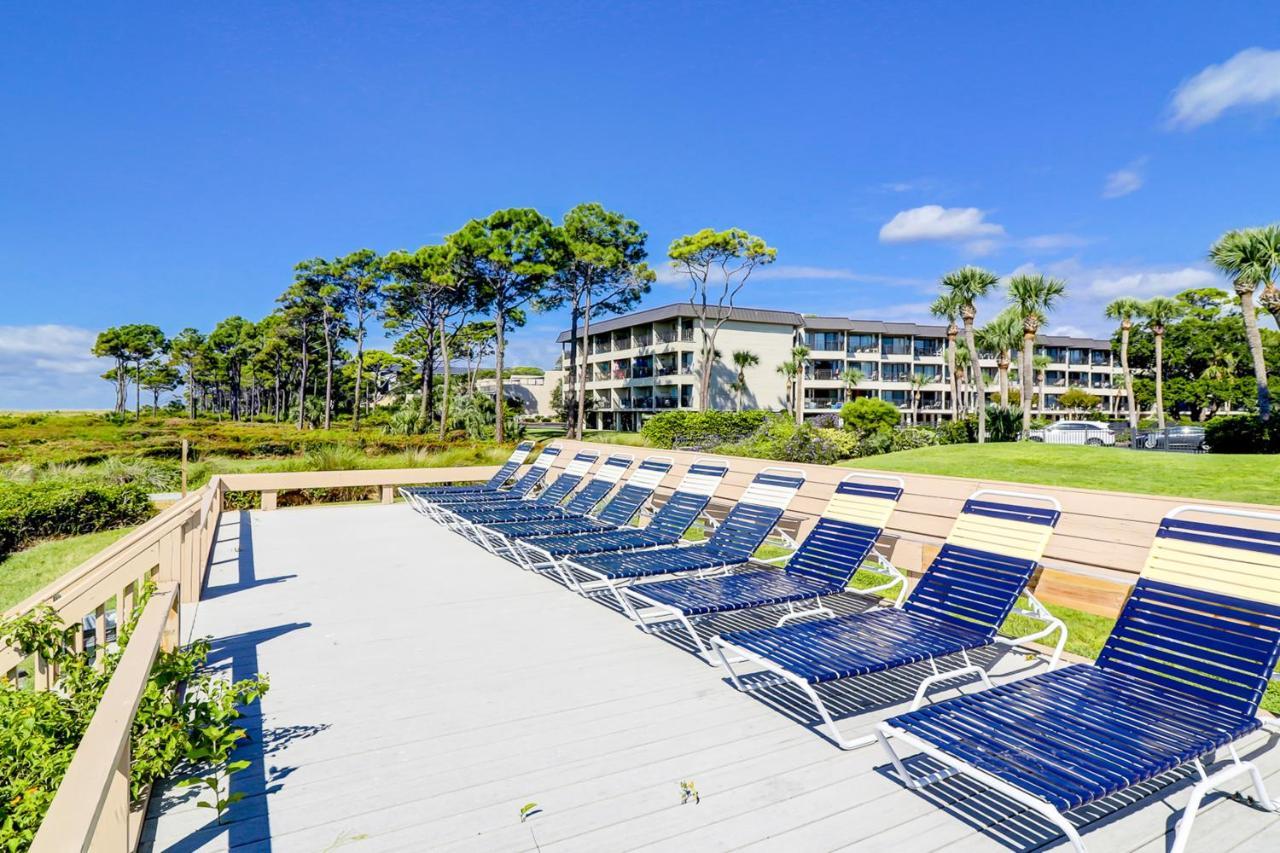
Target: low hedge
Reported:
[(1241, 434), (49, 508), (671, 428)]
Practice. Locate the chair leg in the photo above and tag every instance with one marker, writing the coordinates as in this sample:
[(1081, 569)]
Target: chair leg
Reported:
[(1215, 780), (969, 668), (792, 613)]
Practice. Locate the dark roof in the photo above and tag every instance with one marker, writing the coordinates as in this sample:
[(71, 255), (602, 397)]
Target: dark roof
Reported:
[(684, 309), (809, 321)]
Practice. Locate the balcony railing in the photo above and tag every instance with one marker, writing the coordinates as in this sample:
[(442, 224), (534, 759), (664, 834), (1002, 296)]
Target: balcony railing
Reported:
[(686, 335), (665, 337), (641, 372), (668, 370), (642, 402), (667, 402), (642, 340), (821, 373), (620, 374)]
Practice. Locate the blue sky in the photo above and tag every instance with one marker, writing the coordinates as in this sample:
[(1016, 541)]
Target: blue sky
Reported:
[(170, 165)]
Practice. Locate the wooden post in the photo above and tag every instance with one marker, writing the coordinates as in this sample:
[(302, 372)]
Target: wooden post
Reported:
[(184, 467), (268, 499), (388, 494)]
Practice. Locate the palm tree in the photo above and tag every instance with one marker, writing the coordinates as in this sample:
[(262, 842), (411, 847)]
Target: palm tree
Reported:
[(1000, 336), (1031, 297), (962, 376), (918, 381), (1247, 257), (742, 359), (1040, 364), (793, 370), (1222, 370), (1124, 310), (947, 307), (1268, 239), (1159, 311), (967, 285)]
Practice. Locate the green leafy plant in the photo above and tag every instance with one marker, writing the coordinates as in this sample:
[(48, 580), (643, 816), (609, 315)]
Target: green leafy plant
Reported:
[(186, 714), (866, 415)]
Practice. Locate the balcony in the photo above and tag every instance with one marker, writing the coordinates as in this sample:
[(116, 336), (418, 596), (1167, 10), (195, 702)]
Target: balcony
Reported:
[(823, 374), (642, 340), (666, 402), (686, 335), (642, 402), (666, 337)]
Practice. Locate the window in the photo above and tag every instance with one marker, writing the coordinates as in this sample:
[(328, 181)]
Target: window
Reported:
[(869, 369), (895, 345), (931, 372), (822, 340), (895, 371), (1078, 356), (861, 343), (1101, 357), (898, 398), (928, 347)]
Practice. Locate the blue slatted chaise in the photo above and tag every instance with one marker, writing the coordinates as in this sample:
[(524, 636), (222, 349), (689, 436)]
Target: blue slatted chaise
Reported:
[(1180, 677), (419, 495), (668, 525), (744, 529), (957, 606), (581, 502), (522, 489), (506, 539), (839, 544), (462, 518)]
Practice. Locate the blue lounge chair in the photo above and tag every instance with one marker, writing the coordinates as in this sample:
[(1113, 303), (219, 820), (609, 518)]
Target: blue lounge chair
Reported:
[(462, 518), (672, 520), (506, 538), (418, 495), (958, 605), (521, 489), (578, 505), (735, 539), (1179, 678), (843, 539)]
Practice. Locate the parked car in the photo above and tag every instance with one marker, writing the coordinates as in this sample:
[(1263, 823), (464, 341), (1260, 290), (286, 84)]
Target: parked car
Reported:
[(1187, 439), (1075, 432)]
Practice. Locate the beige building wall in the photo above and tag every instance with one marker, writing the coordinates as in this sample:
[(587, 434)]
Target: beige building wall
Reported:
[(766, 388)]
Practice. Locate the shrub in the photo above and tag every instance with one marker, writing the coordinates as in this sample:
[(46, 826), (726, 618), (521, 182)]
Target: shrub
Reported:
[(1241, 434), (67, 507), (668, 429), (1004, 423), (779, 437), (910, 438), (845, 443), (958, 431), (866, 415)]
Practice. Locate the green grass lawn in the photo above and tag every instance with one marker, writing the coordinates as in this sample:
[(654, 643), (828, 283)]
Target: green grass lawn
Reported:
[(1252, 479), (27, 571)]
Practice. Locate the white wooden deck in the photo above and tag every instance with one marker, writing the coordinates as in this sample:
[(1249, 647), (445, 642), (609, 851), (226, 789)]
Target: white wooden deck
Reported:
[(423, 691)]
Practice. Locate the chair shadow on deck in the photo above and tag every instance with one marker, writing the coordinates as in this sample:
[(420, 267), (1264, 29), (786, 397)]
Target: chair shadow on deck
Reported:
[(247, 822)]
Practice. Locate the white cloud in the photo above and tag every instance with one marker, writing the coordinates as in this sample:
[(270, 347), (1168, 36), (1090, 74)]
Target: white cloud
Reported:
[(49, 366), (1051, 242), (934, 222), (1124, 181), (1144, 284), (913, 185), (1251, 78)]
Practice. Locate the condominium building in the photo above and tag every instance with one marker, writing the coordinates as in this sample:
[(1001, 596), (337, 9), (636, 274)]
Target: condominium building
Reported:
[(646, 362)]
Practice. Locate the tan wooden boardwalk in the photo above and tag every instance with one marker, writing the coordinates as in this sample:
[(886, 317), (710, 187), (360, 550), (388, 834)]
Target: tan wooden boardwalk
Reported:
[(423, 691)]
